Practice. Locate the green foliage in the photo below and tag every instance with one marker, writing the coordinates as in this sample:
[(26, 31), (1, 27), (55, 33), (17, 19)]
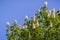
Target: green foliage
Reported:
[(44, 25)]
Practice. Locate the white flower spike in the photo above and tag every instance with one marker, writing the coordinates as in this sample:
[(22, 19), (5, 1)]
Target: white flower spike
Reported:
[(15, 21), (49, 14), (34, 17), (45, 3), (34, 26), (26, 17), (50, 11), (53, 9), (38, 10), (7, 23), (37, 23), (23, 26)]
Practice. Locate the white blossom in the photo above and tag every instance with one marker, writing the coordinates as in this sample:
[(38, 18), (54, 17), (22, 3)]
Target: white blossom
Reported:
[(15, 21), (26, 17), (53, 10), (49, 14), (45, 3), (37, 23), (23, 26), (10, 31), (7, 23), (38, 10), (34, 26), (34, 17), (50, 11)]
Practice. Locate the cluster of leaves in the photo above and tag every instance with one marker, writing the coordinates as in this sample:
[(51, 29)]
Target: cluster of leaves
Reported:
[(43, 26)]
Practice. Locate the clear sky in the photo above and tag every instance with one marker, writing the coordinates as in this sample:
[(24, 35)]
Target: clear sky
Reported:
[(10, 9)]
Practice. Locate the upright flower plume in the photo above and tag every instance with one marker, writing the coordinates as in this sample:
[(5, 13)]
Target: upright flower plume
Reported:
[(53, 12), (26, 17), (49, 14), (44, 25), (38, 10), (23, 26), (37, 23), (45, 4), (15, 21), (34, 26), (34, 17), (7, 23)]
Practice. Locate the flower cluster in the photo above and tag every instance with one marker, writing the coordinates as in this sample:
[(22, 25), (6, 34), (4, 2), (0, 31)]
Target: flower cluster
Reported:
[(45, 25)]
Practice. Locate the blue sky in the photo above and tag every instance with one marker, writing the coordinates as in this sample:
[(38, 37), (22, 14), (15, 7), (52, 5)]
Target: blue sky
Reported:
[(10, 9)]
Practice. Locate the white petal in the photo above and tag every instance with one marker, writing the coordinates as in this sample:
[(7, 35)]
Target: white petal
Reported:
[(7, 23), (26, 17), (15, 21), (49, 11), (45, 3), (53, 9), (38, 10), (34, 26), (34, 17), (37, 23), (23, 27)]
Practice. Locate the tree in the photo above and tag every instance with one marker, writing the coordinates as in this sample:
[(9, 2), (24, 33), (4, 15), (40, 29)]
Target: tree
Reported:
[(44, 25)]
